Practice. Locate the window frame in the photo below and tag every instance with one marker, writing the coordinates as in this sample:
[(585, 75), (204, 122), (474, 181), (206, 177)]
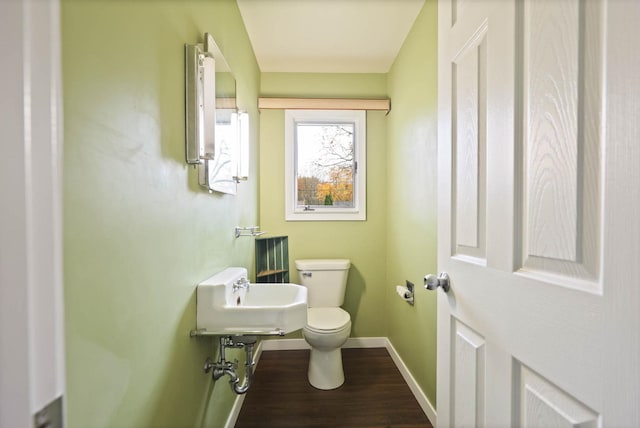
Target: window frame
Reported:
[(359, 210)]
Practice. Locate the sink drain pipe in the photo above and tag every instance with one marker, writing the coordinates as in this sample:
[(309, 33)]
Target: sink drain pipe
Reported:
[(224, 367)]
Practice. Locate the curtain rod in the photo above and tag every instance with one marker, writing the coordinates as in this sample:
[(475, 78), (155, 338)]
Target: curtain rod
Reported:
[(325, 104)]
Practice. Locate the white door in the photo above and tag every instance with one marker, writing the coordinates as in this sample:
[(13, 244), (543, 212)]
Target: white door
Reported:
[(539, 213)]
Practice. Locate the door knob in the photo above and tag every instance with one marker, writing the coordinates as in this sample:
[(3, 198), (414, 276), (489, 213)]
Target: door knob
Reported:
[(431, 282)]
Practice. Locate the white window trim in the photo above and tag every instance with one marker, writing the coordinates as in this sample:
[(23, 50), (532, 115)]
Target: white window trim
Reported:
[(359, 211)]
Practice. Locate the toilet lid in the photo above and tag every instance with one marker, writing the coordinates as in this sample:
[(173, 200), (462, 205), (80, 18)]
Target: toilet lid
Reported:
[(326, 319)]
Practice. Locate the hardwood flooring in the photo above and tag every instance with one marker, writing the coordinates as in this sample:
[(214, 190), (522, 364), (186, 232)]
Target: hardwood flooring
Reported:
[(374, 394)]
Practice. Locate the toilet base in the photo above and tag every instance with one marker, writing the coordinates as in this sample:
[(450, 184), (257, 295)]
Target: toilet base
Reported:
[(325, 369)]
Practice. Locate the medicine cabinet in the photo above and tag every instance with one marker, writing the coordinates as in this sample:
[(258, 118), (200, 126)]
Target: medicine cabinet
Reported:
[(216, 132)]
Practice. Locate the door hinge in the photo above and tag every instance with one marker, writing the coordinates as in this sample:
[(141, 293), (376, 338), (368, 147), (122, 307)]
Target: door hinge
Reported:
[(50, 416)]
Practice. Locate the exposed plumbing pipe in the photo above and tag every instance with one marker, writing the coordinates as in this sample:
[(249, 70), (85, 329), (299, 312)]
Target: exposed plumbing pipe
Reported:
[(224, 367)]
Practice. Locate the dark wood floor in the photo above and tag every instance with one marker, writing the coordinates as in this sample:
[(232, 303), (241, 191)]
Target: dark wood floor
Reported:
[(374, 394)]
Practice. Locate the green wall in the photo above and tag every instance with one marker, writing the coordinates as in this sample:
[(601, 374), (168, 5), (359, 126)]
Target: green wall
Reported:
[(398, 240), (139, 233), (363, 242), (411, 196)]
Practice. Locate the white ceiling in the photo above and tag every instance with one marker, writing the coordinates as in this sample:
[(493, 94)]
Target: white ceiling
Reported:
[(328, 36)]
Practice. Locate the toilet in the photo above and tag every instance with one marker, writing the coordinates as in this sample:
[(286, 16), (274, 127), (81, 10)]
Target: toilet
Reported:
[(328, 325)]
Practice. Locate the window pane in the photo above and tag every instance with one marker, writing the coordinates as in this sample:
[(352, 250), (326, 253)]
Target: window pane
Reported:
[(325, 164)]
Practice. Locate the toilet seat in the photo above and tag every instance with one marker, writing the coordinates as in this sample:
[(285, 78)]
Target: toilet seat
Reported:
[(327, 320)]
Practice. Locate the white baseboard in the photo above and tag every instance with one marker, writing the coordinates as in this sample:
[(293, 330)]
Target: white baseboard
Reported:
[(422, 399), (366, 342), (284, 344), (239, 401), (235, 412), (352, 342)]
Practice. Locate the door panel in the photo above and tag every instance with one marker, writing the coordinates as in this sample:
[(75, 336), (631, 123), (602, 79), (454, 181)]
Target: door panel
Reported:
[(529, 209), (540, 403), (468, 368), (469, 177), (551, 67), (561, 92)]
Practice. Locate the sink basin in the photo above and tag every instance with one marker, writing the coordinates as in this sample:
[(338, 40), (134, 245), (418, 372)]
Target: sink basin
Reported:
[(265, 309)]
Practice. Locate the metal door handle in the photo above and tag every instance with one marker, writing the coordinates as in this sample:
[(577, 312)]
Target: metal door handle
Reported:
[(431, 282)]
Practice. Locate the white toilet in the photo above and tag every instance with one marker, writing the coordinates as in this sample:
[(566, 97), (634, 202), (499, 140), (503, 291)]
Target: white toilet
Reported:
[(328, 325)]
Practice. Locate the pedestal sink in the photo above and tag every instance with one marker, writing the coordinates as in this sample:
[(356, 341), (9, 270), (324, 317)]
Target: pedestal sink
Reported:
[(228, 305)]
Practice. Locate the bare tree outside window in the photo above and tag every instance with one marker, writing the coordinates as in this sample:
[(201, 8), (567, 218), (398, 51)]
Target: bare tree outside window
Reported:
[(325, 165), (325, 162)]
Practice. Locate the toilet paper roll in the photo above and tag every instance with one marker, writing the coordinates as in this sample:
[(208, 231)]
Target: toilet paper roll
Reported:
[(404, 293)]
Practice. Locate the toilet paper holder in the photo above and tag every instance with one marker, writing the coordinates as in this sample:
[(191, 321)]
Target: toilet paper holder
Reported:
[(406, 293)]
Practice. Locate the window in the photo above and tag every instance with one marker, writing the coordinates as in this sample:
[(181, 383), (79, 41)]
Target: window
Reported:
[(325, 171)]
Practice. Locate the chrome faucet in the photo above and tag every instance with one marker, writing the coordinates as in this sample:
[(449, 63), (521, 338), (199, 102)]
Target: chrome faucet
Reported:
[(239, 284)]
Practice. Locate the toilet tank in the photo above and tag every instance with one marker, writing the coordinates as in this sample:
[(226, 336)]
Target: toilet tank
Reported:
[(325, 279)]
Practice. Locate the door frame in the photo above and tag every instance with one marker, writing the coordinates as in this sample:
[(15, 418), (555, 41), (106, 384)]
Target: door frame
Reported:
[(31, 268)]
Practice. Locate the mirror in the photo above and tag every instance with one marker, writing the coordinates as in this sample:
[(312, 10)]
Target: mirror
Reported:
[(223, 168), (213, 129)]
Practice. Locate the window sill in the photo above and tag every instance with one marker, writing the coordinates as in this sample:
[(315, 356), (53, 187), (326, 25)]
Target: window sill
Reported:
[(326, 215)]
